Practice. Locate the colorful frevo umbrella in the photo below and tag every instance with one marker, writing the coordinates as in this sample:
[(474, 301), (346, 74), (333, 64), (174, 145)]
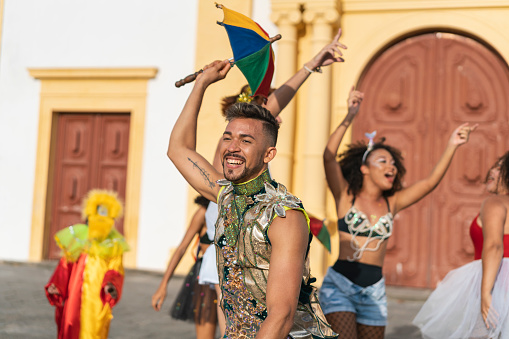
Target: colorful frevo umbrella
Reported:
[(252, 51)]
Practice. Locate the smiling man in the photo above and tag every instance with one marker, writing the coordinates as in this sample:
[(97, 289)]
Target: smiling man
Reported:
[(262, 232)]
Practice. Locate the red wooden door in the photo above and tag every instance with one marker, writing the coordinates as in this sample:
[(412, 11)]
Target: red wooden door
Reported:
[(416, 93), (90, 152)]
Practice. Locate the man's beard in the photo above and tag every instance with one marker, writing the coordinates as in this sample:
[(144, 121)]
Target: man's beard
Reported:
[(237, 176), (231, 176)]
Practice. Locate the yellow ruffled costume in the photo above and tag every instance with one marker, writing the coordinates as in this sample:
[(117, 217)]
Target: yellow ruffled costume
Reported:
[(90, 275)]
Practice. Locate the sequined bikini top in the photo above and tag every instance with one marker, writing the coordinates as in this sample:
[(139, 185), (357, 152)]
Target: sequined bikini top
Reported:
[(357, 224)]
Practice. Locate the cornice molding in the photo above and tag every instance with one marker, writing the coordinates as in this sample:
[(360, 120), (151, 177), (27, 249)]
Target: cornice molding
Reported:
[(93, 73), (327, 15), (285, 16), (321, 11), (401, 5)]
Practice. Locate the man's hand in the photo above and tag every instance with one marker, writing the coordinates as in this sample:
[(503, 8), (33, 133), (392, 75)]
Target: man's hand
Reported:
[(461, 134), (111, 290), (213, 72), (52, 289), (329, 54), (197, 171)]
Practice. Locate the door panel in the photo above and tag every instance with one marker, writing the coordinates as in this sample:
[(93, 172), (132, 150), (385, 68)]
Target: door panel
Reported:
[(472, 82), (395, 106), (416, 93), (114, 138), (71, 170), (91, 152), (112, 150)]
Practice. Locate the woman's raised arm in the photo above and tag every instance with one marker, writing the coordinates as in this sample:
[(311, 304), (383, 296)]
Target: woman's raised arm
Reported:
[(333, 174), (420, 189)]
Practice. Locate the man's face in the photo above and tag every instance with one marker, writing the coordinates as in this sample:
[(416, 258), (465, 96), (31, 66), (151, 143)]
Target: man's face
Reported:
[(245, 151)]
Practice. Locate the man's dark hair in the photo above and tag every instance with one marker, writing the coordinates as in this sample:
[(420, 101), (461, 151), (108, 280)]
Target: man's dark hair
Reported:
[(245, 91), (251, 111), (350, 162)]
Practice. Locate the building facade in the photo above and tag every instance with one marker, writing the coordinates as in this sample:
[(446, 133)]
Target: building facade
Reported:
[(87, 99)]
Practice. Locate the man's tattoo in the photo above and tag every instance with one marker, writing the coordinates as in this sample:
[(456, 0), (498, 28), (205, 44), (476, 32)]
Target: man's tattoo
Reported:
[(203, 173)]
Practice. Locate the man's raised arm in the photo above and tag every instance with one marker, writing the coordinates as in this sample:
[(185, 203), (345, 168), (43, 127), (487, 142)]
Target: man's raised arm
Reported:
[(198, 172)]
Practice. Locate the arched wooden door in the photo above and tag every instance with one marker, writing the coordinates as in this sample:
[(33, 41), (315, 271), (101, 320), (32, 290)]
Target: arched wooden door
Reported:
[(416, 93), (90, 152)]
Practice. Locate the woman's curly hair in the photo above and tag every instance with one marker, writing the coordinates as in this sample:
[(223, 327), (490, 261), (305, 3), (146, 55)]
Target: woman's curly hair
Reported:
[(202, 201), (350, 162), (503, 178), (504, 170)]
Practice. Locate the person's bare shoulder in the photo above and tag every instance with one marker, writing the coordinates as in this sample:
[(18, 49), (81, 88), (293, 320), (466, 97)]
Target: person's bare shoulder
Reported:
[(495, 202), (291, 227), (494, 212)]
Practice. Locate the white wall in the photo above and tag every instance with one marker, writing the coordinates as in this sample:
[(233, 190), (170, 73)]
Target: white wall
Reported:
[(94, 33), (98, 33), (261, 15)]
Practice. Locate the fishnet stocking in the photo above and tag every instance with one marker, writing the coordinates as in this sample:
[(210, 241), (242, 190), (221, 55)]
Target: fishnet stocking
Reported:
[(343, 323), (370, 332)]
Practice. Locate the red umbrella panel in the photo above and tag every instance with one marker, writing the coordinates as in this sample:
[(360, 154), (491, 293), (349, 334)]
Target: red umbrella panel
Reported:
[(252, 50), (319, 230)]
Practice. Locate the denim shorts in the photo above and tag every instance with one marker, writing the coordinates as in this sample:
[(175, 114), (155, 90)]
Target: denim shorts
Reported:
[(338, 294)]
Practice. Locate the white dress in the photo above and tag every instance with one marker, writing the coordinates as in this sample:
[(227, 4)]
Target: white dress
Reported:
[(208, 270), (453, 310)]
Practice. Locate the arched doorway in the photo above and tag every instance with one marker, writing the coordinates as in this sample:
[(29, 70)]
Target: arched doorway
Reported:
[(417, 92), (90, 153)]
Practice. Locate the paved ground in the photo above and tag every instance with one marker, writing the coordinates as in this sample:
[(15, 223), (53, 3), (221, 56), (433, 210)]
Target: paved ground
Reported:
[(25, 312)]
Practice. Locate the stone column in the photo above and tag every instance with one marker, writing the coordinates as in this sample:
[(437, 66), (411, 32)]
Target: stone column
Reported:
[(286, 16), (321, 18)]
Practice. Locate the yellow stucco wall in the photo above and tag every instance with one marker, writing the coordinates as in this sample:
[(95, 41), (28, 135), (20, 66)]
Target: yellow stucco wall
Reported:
[(211, 44), (368, 26)]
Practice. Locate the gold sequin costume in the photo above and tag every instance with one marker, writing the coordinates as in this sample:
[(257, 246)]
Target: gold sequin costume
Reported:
[(243, 258)]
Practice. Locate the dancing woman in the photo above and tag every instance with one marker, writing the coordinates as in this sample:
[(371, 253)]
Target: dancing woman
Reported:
[(474, 299), (367, 187), (194, 302)]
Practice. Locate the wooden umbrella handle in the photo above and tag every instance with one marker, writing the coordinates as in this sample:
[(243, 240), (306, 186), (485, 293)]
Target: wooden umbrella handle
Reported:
[(275, 38), (188, 79)]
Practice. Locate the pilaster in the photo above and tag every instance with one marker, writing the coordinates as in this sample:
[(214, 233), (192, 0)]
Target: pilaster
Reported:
[(322, 18), (287, 16)]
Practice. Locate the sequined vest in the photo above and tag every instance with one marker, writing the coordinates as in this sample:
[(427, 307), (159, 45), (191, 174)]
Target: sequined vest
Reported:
[(243, 259)]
